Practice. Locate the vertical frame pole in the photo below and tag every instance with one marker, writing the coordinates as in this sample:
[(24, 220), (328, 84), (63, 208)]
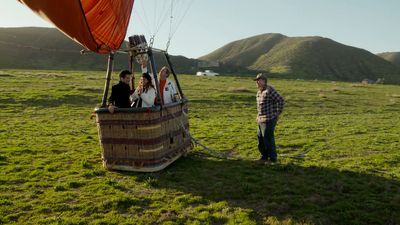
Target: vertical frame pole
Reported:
[(154, 71), (108, 78), (131, 69), (173, 72)]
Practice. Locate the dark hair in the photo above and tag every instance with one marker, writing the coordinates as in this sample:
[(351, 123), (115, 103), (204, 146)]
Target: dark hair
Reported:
[(147, 76), (123, 73), (150, 83)]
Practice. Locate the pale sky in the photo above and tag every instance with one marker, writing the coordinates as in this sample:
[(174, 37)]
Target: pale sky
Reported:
[(208, 25)]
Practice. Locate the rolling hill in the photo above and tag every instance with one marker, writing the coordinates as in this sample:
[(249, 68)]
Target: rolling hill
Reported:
[(305, 57), (393, 57), (287, 57), (244, 53), (48, 48)]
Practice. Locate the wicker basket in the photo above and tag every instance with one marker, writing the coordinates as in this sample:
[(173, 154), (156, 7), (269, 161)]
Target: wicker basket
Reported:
[(143, 139)]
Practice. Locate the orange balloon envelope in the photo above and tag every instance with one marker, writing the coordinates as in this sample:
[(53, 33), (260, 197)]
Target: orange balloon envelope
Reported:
[(98, 25)]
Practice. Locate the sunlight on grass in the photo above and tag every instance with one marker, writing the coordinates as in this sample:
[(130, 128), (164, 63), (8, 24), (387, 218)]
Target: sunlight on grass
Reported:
[(51, 168)]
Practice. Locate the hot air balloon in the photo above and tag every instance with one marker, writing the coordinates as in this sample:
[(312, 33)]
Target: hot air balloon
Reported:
[(132, 139)]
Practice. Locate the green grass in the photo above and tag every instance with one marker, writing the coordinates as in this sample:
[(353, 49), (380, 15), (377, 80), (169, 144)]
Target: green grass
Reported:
[(51, 169)]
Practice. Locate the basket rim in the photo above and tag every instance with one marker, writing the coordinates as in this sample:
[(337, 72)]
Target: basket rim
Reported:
[(156, 108)]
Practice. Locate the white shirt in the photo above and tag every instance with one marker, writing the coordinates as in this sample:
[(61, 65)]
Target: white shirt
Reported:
[(147, 97), (169, 91), (169, 88)]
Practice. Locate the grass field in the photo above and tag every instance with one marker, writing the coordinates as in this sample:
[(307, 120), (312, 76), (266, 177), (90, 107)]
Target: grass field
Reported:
[(51, 169)]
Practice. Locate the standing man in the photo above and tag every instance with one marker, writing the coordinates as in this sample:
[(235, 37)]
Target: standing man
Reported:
[(269, 107), (120, 92)]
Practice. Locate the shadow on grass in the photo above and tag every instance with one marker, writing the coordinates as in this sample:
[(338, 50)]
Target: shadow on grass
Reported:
[(5, 75), (286, 191), (52, 101)]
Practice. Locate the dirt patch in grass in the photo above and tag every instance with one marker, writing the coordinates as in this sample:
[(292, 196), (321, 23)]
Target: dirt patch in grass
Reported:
[(360, 85), (395, 95), (90, 89), (51, 75), (239, 90)]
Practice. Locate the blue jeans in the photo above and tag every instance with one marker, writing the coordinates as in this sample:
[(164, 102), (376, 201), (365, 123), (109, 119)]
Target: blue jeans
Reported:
[(266, 140)]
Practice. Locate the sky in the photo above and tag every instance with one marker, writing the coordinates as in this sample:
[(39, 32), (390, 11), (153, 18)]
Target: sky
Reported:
[(201, 26)]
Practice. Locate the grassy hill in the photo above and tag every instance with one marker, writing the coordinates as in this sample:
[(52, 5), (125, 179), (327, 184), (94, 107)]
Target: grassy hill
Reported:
[(393, 57), (48, 48), (245, 52), (305, 57), (289, 57), (51, 170)]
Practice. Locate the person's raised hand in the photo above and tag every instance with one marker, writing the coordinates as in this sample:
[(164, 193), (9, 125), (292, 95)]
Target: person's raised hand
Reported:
[(143, 63)]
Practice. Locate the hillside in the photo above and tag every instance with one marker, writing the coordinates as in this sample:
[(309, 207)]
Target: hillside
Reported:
[(393, 57), (305, 57), (288, 57), (245, 52), (48, 48)]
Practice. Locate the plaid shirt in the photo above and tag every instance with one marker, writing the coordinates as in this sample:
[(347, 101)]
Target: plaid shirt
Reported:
[(269, 104)]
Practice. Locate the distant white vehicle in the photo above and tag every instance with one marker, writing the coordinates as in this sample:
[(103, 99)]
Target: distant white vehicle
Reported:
[(207, 73)]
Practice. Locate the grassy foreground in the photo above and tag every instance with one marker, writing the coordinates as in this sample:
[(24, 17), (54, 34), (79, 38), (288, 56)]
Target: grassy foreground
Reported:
[(51, 170)]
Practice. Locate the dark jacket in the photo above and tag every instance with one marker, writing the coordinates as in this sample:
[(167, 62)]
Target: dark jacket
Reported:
[(120, 95)]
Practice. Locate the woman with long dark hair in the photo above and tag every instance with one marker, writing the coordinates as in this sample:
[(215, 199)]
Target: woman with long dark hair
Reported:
[(145, 93)]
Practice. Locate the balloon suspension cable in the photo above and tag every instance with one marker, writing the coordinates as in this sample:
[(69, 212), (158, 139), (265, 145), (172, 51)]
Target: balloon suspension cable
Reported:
[(178, 20), (151, 41), (227, 153), (167, 46), (171, 17)]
